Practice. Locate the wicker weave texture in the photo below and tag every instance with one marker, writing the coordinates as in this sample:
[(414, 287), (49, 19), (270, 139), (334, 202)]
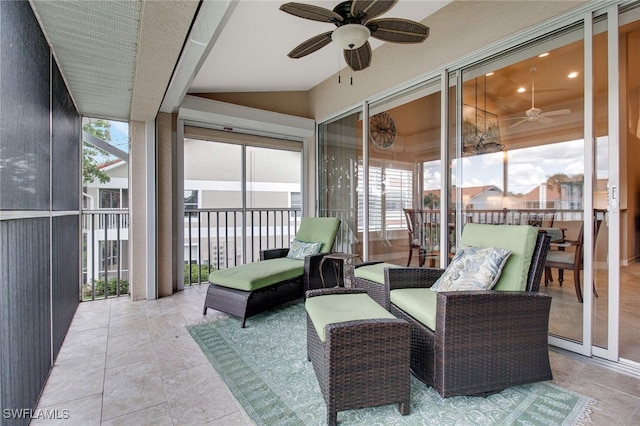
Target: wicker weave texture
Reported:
[(244, 304), (484, 341), (362, 363)]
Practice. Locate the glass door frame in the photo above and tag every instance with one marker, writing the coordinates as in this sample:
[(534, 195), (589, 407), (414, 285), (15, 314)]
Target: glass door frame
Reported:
[(586, 347), (451, 78)]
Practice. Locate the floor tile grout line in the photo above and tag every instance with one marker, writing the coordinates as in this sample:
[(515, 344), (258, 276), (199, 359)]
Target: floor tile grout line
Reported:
[(106, 360)]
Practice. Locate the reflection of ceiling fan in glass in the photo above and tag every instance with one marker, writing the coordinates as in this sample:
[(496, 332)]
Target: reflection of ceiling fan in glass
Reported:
[(536, 114)]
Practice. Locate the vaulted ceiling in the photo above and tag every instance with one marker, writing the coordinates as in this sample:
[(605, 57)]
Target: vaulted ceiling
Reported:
[(119, 57)]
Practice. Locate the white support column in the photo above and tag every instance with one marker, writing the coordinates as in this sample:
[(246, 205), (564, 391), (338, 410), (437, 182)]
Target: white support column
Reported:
[(142, 233)]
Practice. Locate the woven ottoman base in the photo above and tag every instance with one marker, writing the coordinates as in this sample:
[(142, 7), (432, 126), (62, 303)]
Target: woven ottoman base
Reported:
[(361, 363)]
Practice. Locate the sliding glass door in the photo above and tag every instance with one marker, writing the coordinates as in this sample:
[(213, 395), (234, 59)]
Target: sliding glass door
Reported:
[(376, 164), (545, 133)]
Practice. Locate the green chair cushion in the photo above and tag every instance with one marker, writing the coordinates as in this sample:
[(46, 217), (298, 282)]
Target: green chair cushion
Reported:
[(420, 303), (373, 272), (323, 229), (520, 239), (335, 308), (254, 276)]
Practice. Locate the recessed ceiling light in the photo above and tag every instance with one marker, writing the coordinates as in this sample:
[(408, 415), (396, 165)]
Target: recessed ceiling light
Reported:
[(521, 90), (542, 55), (489, 74), (573, 74)]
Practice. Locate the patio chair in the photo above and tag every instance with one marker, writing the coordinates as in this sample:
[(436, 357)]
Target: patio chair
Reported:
[(479, 342), (281, 275), (569, 254), (423, 236)]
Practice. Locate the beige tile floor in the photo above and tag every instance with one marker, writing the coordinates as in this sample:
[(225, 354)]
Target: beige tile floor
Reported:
[(134, 363)]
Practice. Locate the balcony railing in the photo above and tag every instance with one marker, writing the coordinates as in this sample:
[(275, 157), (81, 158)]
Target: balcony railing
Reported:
[(222, 238), (105, 247)]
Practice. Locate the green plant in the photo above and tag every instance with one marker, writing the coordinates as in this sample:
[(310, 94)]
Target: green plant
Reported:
[(194, 274), (112, 285)]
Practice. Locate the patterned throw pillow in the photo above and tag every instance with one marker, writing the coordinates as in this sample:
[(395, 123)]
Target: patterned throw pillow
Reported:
[(473, 268), (300, 249)]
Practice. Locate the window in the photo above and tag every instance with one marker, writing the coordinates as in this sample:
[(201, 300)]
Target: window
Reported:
[(390, 192), (296, 200), (190, 200)]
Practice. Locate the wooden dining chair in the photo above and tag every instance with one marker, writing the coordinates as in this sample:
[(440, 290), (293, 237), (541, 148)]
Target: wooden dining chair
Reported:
[(569, 254), (423, 236), (415, 238)]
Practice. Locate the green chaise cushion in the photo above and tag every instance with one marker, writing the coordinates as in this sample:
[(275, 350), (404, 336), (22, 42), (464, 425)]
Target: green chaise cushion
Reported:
[(373, 272), (520, 239), (323, 229), (254, 276), (420, 303), (334, 308)]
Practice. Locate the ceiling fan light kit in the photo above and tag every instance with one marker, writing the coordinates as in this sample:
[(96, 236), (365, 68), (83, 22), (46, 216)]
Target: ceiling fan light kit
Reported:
[(350, 36), (355, 24), (534, 114)]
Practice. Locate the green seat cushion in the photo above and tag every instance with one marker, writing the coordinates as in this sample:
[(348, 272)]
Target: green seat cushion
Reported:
[(520, 239), (254, 276), (322, 229), (420, 303), (335, 308), (373, 272)]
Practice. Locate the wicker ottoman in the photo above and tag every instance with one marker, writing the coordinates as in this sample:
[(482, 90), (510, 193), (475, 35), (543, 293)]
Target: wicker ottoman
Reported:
[(360, 352)]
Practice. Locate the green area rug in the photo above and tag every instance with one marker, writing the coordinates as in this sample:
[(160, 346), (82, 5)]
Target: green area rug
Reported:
[(265, 366)]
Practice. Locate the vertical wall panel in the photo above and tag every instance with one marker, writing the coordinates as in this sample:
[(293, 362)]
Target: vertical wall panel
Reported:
[(39, 135), (65, 134), (65, 275), (24, 85), (25, 314)]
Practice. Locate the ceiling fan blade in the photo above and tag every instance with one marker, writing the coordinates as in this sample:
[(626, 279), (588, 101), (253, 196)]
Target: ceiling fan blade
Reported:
[(398, 30), (517, 124), (556, 112), (311, 45), (544, 120), (366, 10), (309, 11), (360, 58)]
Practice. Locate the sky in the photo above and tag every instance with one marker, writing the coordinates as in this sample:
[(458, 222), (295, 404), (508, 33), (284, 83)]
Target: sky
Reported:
[(119, 139), (120, 135), (526, 168)]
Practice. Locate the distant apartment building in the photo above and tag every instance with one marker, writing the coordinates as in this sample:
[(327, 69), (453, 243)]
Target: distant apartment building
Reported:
[(228, 216)]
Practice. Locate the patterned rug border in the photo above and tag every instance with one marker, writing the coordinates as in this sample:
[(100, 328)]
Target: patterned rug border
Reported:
[(268, 406)]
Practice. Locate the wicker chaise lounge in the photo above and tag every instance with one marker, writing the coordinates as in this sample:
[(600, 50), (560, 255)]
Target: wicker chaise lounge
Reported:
[(479, 342), (278, 277), (359, 351)]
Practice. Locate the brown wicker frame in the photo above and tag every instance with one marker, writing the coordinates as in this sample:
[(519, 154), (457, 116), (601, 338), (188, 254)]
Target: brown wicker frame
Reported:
[(484, 341), (244, 304), (363, 363), (376, 291)]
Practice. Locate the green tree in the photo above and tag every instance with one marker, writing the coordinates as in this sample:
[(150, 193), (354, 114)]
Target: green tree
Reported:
[(556, 181), (90, 166), (431, 200)]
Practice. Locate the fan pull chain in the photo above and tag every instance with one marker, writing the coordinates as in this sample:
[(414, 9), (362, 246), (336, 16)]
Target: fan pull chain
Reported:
[(339, 67)]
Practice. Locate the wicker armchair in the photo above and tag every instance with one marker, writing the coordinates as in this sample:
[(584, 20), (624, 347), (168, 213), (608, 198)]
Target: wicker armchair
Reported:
[(484, 341)]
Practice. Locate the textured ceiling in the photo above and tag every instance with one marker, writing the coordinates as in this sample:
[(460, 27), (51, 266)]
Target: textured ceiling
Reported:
[(95, 44)]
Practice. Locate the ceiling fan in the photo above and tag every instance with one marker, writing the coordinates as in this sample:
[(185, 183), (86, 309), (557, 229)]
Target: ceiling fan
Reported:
[(355, 23), (536, 114)]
